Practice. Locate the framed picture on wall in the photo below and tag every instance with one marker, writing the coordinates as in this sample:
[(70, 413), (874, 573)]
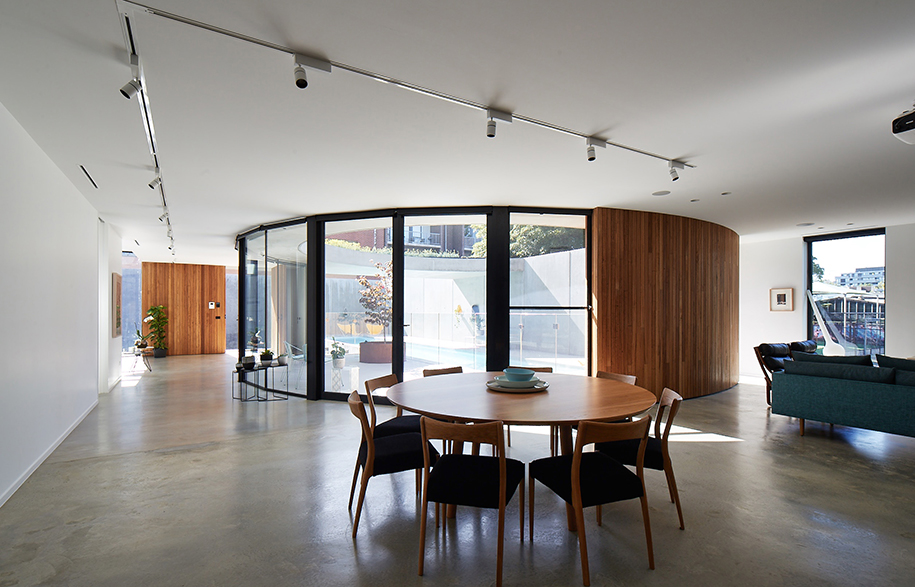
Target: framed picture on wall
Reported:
[(781, 300), (115, 305)]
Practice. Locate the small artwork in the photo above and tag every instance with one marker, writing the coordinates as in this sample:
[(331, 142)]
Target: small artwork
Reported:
[(781, 300), (115, 305)]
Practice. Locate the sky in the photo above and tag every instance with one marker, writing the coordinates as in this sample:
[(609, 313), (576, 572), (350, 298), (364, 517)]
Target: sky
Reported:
[(845, 255)]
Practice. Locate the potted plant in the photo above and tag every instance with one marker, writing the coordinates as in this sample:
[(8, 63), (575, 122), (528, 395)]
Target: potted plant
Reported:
[(248, 362), (338, 354), (282, 359), (155, 320), (140, 342), (376, 299), (267, 357)]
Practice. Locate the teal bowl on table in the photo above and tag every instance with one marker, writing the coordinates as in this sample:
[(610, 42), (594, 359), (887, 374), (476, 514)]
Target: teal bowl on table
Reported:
[(518, 374)]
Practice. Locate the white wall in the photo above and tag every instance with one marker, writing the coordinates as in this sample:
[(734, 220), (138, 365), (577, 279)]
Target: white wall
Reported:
[(763, 266), (900, 290), (49, 295), (109, 261)]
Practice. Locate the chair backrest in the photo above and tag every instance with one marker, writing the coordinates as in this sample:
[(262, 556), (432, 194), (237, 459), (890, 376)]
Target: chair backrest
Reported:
[(444, 371), (670, 402), (534, 369), (487, 433), (591, 432), (358, 410), (373, 384), (630, 379)]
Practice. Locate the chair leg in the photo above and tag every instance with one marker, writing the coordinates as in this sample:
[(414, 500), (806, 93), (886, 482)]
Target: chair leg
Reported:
[(802, 426), (508, 435), (600, 511), (521, 507), (672, 488), (582, 545), (530, 510), (365, 482), (422, 531), (501, 544), (419, 480), (352, 490), (644, 500)]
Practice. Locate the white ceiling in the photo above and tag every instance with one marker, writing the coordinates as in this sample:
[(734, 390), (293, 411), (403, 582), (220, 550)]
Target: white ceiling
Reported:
[(785, 104)]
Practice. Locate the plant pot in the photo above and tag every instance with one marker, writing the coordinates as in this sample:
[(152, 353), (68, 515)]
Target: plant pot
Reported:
[(248, 363), (375, 351), (339, 363), (267, 360), (159, 353), (282, 360)]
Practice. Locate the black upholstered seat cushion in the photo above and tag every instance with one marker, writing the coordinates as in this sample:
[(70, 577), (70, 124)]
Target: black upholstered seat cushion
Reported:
[(627, 451), (603, 479), (862, 360), (400, 452), (774, 355), (803, 346), (400, 425), (473, 480)]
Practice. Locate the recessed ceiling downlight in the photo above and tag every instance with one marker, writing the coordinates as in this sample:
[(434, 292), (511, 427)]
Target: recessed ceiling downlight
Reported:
[(661, 193), (805, 224), (725, 193), (694, 200)]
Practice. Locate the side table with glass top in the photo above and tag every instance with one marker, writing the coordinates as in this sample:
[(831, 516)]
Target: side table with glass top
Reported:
[(241, 381)]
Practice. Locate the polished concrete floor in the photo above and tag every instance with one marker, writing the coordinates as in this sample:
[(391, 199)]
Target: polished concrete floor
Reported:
[(170, 482)]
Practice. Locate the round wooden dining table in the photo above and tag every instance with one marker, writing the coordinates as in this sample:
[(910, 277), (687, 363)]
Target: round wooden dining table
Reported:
[(464, 397), (569, 399)]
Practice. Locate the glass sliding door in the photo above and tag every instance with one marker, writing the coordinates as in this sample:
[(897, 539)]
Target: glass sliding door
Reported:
[(444, 293), (846, 299), (357, 302), (253, 326), (549, 292), (287, 299)]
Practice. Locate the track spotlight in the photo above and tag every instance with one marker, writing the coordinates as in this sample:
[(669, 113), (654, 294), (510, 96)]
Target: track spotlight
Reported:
[(674, 166), (303, 61), (130, 89), (155, 183), (594, 142), (493, 116), (164, 217), (300, 81)]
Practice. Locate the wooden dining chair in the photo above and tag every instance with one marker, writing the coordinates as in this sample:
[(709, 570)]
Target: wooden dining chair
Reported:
[(585, 479), (399, 424), (508, 427), (657, 453), (554, 430), (383, 456), (469, 480), (442, 371), (630, 379)]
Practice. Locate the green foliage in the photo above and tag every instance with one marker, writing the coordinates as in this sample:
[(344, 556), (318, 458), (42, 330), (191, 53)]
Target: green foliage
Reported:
[(817, 270), (377, 295), (528, 240), (337, 350), (156, 320), (351, 246)]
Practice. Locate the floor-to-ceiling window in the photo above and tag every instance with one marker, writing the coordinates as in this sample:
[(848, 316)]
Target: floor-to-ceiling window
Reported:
[(368, 294), (444, 293), (846, 297), (358, 332), (549, 292)]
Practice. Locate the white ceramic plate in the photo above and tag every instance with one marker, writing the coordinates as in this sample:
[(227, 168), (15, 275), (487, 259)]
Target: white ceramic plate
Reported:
[(503, 381), (497, 386)]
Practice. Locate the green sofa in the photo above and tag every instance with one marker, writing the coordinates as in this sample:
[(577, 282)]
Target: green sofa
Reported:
[(837, 391)]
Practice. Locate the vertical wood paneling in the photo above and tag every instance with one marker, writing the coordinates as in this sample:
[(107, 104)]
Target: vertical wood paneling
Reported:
[(664, 300), (185, 291)]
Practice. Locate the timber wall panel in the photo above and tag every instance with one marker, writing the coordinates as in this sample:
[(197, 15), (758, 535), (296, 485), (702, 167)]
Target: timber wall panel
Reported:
[(186, 290), (665, 300)]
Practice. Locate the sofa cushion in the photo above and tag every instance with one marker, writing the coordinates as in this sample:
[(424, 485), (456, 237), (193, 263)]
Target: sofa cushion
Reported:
[(774, 349), (901, 364), (840, 371), (863, 360), (905, 377), (775, 363), (803, 346)]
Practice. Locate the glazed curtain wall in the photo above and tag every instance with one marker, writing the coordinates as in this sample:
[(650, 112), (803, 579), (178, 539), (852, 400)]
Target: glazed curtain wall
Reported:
[(399, 291)]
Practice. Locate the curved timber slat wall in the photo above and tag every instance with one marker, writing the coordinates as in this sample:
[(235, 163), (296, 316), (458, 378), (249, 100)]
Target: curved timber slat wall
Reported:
[(665, 295)]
